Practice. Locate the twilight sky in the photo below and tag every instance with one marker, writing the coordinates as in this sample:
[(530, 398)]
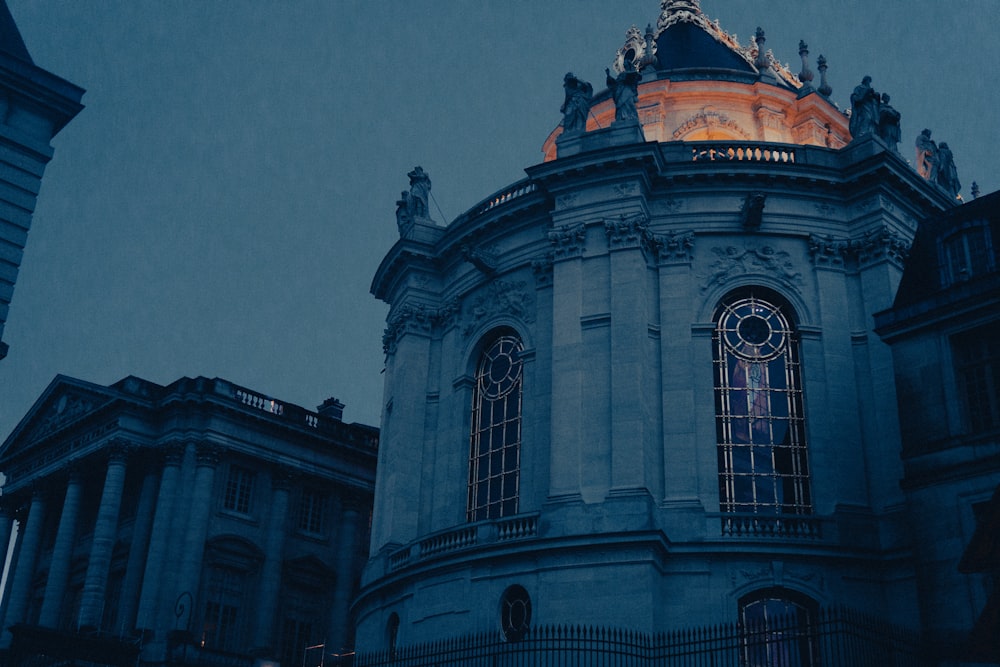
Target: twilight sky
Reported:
[(221, 204)]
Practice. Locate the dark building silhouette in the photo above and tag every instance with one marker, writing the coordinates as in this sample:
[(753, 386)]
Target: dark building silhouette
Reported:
[(34, 106), (944, 330), (212, 519)]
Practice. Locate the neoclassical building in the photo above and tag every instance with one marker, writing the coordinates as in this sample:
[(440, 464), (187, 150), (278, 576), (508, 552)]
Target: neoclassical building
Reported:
[(34, 106), (641, 388), (197, 519)]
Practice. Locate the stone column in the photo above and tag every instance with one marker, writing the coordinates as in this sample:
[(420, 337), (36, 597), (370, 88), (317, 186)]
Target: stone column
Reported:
[(24, 567), (189, 572), (105, 530), (6, 528), (149, 599), (6, 525), (340, 613), (62, 553), (270, 576), (141, 529)]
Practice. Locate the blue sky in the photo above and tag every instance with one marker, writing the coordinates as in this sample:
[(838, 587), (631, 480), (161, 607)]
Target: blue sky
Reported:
[(220, 206)]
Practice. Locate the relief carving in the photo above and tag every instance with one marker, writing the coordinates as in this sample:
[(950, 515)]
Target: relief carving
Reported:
[(732, 262), (499, 298), (709, 119)]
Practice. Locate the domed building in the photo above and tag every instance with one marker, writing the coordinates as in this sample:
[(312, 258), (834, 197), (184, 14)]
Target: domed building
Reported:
[(640, 389)]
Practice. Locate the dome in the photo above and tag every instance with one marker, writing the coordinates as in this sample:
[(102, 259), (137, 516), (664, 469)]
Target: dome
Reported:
[(700, 84)]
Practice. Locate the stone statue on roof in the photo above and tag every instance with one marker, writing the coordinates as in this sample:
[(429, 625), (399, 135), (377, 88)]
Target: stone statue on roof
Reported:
[(420, 189), (864, 109), (927, 156), (947, 173), (576, 105), (413, 204), (888, 123), (625, 91)]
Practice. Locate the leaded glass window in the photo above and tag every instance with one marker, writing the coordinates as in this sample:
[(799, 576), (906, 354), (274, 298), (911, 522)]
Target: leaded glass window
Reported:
[(494, 459), (763, 463)]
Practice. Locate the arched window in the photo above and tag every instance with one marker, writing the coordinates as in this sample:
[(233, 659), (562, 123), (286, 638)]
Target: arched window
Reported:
[(495, 452), (763, 465), (778, 629)]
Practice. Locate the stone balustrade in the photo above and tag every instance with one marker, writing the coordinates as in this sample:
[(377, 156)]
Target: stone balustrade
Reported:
[(463, 537)]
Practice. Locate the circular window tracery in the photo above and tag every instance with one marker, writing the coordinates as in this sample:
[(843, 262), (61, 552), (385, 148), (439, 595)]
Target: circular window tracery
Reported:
[(515, 613), (754, 330), (500, 368)]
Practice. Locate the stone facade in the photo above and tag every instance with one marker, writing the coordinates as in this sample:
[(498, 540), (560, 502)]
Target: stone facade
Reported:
[(638, 458), (207, 516), (34, 106)]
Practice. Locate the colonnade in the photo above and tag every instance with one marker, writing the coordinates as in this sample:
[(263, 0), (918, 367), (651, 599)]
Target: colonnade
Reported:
[(166, 543)]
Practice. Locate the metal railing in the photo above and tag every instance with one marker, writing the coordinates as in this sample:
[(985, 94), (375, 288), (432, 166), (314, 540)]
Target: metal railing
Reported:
[(829, 638)]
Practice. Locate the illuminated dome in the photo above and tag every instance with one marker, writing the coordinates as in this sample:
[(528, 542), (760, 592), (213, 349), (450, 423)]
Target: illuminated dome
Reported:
[(700, 84)]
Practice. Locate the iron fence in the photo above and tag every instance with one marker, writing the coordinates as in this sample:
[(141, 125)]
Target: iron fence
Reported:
[(829, 638)]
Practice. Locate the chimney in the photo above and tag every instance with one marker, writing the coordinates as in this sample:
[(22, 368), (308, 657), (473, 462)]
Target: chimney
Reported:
[(332, 409)]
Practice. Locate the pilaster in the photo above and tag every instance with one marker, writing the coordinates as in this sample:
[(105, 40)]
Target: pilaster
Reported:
[(568, 244), (629, 342)]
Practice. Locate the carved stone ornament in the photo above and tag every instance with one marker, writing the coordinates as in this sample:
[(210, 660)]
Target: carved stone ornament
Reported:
[(631, 52), (732, 262), (484, 259), (628, 232), (499, 298), (674, 247), (568, 241), (880, 244), (710, 119), (542, 268), (66, 408), (417, 318), (627, 189), (567, 200), (672, 206), (827, 250)]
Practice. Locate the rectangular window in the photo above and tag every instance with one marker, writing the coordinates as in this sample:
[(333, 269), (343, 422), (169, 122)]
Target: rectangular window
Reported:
[(221, 628), (296, 641), (311, 511), (239, 490), (967, 253), (977, 370)]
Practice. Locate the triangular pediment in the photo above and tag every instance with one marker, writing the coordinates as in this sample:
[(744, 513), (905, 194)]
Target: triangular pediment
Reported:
[(63, 403)]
